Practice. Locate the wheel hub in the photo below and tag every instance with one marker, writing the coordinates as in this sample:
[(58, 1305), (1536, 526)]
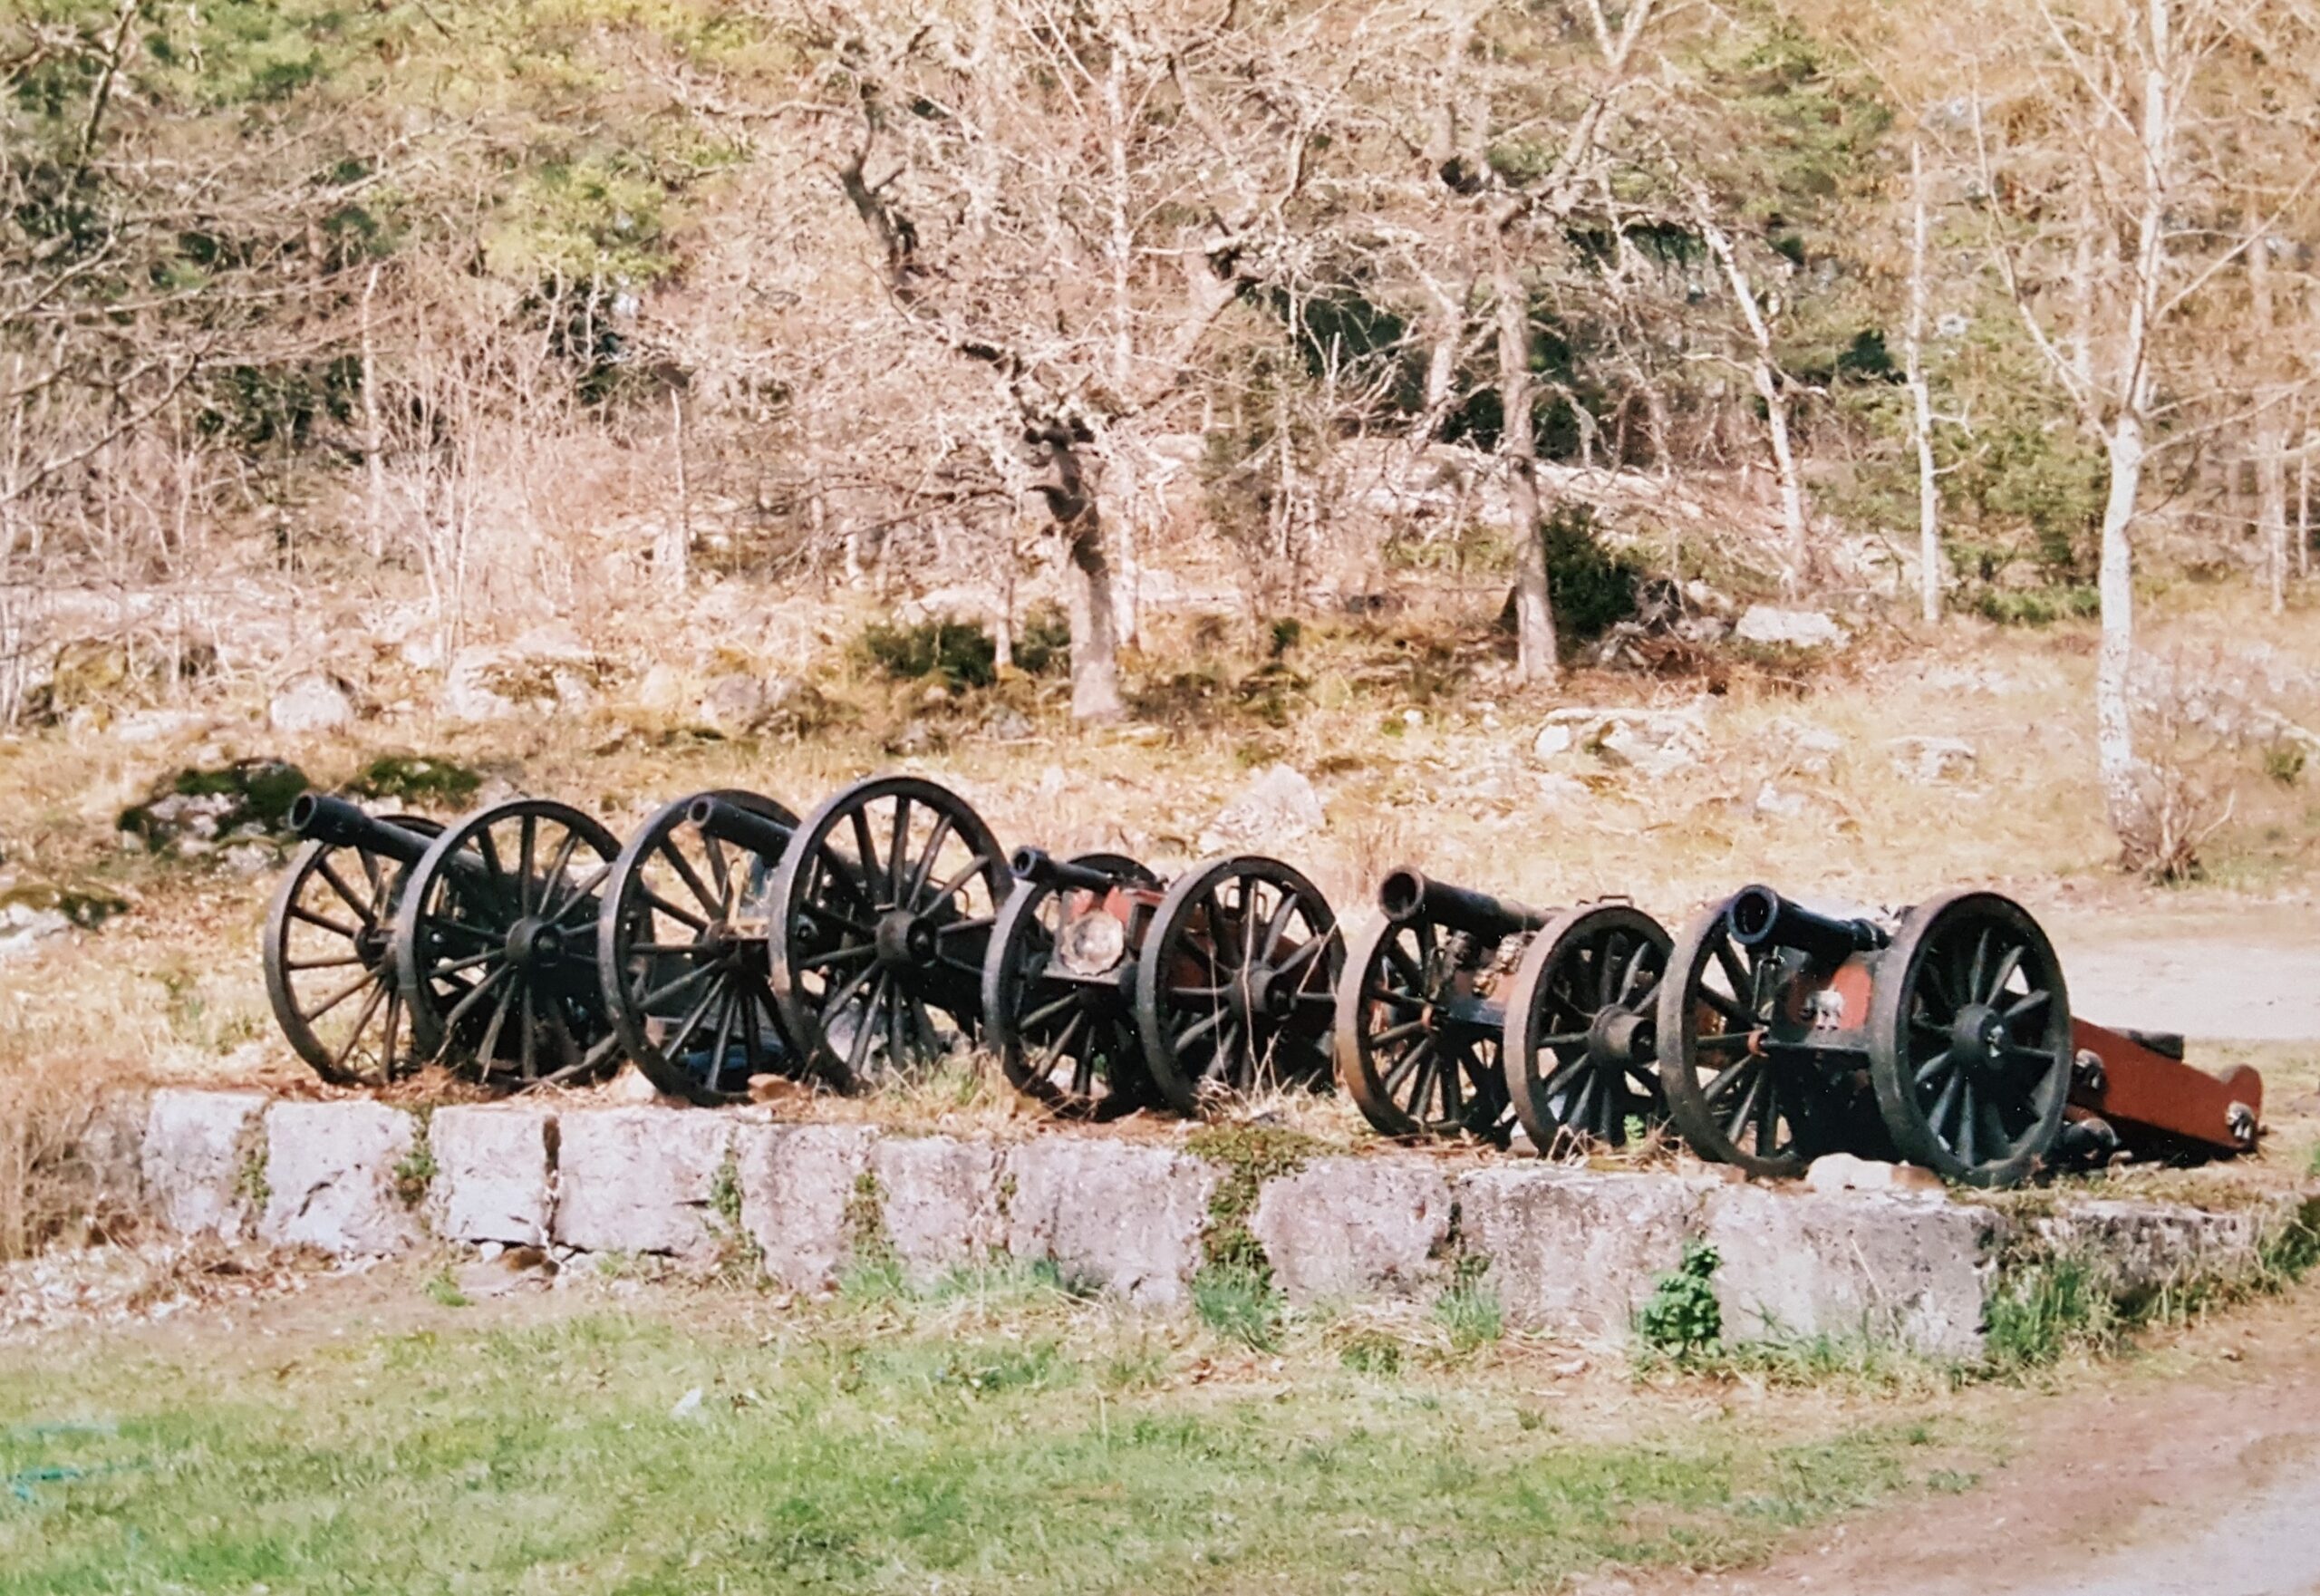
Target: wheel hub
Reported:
[(532, 943), (1621, 1037), (905, 940), (1978, 1037)]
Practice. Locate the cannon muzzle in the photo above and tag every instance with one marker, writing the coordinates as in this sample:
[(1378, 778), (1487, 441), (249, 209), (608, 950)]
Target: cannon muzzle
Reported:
[(1759, 917), (1406, 896), (316, 816), (1042, 868), (728, 822)]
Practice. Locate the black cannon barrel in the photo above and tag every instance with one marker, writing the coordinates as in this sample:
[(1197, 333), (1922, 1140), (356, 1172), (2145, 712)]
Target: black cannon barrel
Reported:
[(760, 833), (316, 816), (1042, 868), (1759, 917), (1407, 895)]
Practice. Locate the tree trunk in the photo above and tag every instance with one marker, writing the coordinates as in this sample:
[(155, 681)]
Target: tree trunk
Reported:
[(674, 545), (2113, 721), (2271, 437), (1534, 619), (374, 446), (1095, 629), (1921, 406)]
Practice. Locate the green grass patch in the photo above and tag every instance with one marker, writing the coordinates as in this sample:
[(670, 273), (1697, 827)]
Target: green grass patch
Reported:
[(1059, 1452)]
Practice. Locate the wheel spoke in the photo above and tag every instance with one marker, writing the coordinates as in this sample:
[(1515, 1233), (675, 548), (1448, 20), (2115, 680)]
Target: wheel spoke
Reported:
[(2010, 962), (935, 838), (361, 906)]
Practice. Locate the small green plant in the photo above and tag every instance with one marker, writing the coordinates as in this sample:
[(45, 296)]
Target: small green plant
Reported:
[(740, 1258), (954, 654), (1469, 1308), (1373, 1352), (1043, 642), (1682, 1318), (425, 782), (2048, 1306), (250, 1184), (443, 1291), (415, 1171), (1240, 1304)]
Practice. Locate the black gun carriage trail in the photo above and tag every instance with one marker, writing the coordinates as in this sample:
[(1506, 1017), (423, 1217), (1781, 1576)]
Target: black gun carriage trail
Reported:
[(1461, 1014), (1108, 990)]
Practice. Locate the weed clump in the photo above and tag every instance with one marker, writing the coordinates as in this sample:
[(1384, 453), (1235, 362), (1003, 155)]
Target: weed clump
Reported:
[(1682, 1319), (955, 655), (1234, 1292), (426, 780)]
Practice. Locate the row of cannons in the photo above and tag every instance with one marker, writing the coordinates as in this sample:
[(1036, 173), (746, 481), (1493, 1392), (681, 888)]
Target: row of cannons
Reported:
[(524, 944)]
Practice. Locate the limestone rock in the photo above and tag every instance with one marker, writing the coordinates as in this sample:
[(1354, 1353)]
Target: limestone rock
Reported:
[(2141, 1247), (331, 1174), (494, 1172), (1800, 748), (1276, 809), (640, 1180), (938, 1202), (1916, 1272), (1654, 744), (1343, 1228), (1842, 1171), (309, 703), (200, 1159), (1765, 623), (1125, 1218), (733, 705), (800, 1188), (1574, 1252), (1932, 762)]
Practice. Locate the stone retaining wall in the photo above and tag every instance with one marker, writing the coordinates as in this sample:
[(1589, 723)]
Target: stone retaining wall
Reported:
[(1571, 1252)]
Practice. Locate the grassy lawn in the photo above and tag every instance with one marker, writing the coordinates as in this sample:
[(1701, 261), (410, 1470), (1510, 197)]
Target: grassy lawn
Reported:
[(991, 1439)]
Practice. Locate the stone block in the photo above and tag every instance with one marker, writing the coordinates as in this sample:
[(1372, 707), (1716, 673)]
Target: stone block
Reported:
[(1913, 1272), (799, 1184), (199, 1159), (1347, 1228), (495, 1173), (330, 1178), (2144, 1247), (1121, 1218), (1575, 1251), (641, 1180), (938, 1203)]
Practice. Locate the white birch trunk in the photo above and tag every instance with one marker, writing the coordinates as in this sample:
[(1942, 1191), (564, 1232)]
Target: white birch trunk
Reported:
[(1921, 406)]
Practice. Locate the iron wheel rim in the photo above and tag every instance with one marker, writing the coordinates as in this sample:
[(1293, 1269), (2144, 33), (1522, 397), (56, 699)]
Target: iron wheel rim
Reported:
[(837, 987), (1763, 1106), (463, 982), (1970, 1044), (1203, 1038), (1397, 1061), (678, 925), (1035, 1019), (1581, 1025), (331, 941)]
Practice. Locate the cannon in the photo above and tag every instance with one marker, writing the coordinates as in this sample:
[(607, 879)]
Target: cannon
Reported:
[(876, 919), (394, 940), (328, 952), (1106, 990), (1464, 1015), (682, 959), (1945, 1038)]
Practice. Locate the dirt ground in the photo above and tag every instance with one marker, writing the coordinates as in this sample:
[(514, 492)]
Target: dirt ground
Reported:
[(2243, 975), (2188, 1471)]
